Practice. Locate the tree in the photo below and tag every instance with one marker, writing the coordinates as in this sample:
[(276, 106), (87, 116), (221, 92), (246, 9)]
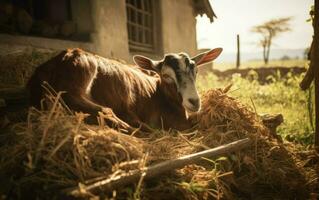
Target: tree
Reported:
[(268, 31)]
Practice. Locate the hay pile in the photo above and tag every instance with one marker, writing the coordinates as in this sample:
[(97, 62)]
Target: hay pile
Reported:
[(55, 150)]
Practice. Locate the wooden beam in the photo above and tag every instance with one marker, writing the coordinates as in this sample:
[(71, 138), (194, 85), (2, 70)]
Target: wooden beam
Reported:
[(112, 183), (315, 62)]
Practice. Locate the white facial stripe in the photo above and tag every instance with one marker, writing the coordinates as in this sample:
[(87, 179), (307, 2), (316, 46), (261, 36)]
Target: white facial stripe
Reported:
[(189, 92), (182, 64)]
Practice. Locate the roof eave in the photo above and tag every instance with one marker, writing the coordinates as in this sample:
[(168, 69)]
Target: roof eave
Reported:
[(204, 7)]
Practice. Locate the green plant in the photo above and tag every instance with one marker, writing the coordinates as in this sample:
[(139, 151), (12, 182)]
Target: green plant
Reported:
[(281, 95)]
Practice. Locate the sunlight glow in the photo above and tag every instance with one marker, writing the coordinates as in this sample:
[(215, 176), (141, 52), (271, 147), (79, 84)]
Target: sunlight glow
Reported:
[(238, 16)]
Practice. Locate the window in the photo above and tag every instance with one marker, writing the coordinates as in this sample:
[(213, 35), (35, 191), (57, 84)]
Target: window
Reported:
[(53, 10), (62, 19), (141, 25)]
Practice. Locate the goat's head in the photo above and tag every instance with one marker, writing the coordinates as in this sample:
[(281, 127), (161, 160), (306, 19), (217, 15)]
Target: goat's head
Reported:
[(178, 74)]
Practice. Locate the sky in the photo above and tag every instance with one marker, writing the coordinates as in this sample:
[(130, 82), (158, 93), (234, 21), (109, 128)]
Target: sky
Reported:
[(239, 16)]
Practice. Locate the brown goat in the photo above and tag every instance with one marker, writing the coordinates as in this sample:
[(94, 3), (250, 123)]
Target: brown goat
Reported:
[(156, 93)]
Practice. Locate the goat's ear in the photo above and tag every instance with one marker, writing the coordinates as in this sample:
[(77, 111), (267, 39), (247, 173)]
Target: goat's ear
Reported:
[(144, 62), (207, 56)]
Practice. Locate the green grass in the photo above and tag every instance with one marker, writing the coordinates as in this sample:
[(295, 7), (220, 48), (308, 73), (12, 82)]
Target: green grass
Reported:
[(282, 95), (260, 63)]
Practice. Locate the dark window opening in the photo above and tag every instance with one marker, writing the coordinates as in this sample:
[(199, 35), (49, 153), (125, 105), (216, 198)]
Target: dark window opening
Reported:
[(44, 18), (55, 11), (141, 25)]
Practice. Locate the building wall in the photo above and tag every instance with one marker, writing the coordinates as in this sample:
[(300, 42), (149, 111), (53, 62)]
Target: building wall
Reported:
[(178, 26), (83, 20), (109, 36)]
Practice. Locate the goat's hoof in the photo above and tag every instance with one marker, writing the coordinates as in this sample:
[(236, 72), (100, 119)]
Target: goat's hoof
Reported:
[(114, 120), (108, 112)]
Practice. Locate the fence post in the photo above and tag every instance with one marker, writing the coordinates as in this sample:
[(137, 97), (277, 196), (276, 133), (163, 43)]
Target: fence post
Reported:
[(238, 52), (315, 61)]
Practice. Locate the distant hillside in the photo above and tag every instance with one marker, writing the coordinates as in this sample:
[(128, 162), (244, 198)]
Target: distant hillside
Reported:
[(274, 54)]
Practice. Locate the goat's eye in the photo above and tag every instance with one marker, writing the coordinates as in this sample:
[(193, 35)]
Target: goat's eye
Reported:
[(192, 66), (168, 78)]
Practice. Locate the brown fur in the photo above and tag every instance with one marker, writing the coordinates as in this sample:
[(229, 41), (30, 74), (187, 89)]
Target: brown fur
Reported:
[(92, 83)]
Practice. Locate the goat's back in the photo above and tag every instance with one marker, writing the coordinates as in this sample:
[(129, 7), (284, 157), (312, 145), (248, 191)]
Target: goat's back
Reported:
[(71, 70), (107, 82)]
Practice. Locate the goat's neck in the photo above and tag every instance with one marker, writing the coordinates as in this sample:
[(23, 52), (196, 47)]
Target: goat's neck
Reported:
[(170, 101)]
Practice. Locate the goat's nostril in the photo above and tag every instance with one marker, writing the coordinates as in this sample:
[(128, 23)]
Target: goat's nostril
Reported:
[(194, 102)]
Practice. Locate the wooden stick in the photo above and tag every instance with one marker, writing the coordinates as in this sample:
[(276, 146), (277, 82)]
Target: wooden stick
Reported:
[(150, 172), (315, 63), (238, 52)]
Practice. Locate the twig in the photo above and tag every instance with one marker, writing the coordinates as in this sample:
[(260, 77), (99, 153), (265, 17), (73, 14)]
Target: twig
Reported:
[(227, 88), (157, 169), (46, 128), (193, 143), (254, 106), (80, 118), (51, 92), (143, 173)]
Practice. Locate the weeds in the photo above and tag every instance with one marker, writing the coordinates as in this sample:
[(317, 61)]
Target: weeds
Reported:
[(281, 95), (259, 63)]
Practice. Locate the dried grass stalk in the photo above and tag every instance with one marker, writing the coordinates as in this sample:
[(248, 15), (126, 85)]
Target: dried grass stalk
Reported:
[(55, 150)]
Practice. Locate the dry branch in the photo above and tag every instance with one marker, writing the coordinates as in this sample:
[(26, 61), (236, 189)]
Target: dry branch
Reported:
[(157, 169), (272, 121)]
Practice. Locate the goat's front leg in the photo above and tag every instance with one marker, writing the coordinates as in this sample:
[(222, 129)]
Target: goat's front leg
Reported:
[(84, 104), (132, 119), (193, 119), (186, 123), (113, 121), (81, 103)]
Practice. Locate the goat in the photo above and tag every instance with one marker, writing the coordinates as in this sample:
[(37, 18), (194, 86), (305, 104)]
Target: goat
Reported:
[(157, 93)]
